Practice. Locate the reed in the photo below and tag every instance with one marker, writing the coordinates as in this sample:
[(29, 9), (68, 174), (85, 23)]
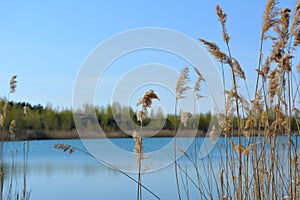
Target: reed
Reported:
[(3, 122), (182, 87), (146, 102), (257, 164)]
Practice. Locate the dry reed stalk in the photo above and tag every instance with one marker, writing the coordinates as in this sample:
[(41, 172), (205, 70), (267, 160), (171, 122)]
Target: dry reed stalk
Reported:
[(235, 71), (138, 148), (182, 87), (146, 102)]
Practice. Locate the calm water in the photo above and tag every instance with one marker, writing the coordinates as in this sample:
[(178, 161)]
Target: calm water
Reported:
[(52, 174)]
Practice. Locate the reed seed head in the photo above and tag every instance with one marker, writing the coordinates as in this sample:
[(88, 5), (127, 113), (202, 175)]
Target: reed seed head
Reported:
[(197, 84), (146, 100), (285, 63), (64, 148), (182, 83), (215, 51), (285, 18), (222, 18), (266, 68), (12, 128), (141, 115), (25, 109), (184, 117), (297, 37), (296, 18), (13, 84), (270, 14), (238, 69)]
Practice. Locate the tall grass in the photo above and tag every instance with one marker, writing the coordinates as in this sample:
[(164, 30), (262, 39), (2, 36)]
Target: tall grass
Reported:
[(260, 156), (8, 181), (3, 122)]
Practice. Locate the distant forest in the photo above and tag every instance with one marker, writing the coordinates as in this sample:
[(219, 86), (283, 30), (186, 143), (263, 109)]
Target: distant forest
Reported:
[(45, 118), (38, 118)]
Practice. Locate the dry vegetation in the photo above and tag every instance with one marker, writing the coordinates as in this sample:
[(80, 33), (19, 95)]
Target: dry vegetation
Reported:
[(259, 163)]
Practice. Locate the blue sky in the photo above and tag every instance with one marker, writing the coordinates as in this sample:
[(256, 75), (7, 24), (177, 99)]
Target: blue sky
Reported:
[(46, 42)]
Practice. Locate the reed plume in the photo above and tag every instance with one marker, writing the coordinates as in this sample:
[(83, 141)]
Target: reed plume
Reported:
[(181, 88), (296, 18), (270, 14), (13, 84), (266, 68), (184, 117), (65, 148), (285, 18), (182, 84), (297, 37), (273, 87), (222, 18), (146, 102), (215, 51), (12, 128), (141, 115), (198, 82), (295, 30), (237, 68)]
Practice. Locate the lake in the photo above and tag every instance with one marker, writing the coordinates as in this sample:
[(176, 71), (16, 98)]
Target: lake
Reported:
[(52, 174)]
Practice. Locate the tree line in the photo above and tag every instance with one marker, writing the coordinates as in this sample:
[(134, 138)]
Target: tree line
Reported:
[(36, 118)]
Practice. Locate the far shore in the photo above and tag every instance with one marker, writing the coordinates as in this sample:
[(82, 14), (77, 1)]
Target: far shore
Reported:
[(73, 134)]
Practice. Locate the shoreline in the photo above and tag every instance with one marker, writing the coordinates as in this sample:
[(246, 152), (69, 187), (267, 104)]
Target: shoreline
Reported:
[(73, 134)]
